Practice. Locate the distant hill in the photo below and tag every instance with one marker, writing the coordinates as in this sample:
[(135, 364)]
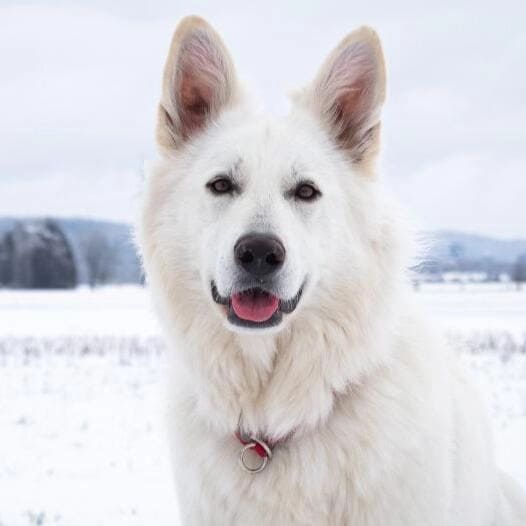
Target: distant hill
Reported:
[(6, 223), (118, 239), (444, 250), (445, 244), (114, 241)]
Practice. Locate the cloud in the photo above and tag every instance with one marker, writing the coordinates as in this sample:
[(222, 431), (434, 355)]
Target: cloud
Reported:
[(80, 80), (76, 192), (478, 192)]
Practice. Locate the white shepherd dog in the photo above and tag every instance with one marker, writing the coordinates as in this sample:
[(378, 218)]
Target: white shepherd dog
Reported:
[(307, 388)]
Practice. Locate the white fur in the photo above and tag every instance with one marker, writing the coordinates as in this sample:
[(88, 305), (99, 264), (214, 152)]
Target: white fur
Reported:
[(386, 431)]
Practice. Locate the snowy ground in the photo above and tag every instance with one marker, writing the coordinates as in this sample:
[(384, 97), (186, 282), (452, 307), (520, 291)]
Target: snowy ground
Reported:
[(81, 425)]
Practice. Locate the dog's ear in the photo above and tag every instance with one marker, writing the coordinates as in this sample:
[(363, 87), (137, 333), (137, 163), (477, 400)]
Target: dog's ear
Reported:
[(348, 92), (199, 81)]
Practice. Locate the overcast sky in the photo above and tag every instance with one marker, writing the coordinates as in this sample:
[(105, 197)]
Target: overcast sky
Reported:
[(80, 79)]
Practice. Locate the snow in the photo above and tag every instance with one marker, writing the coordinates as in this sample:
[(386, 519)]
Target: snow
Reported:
[(81, 398), (82, 434), (476, 307), (120, 310)]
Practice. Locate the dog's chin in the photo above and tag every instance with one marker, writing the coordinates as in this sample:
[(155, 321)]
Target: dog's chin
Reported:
[(255, 309)]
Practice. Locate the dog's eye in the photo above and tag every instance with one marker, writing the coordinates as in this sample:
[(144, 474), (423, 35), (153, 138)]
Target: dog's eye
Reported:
[(220, 185), (306, 192)]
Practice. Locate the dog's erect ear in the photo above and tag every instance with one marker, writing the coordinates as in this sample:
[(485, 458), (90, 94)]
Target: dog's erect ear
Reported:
[(199, 81), (348, 93)]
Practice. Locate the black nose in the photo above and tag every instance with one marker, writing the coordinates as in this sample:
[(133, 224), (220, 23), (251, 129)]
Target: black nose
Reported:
[(259, 254)]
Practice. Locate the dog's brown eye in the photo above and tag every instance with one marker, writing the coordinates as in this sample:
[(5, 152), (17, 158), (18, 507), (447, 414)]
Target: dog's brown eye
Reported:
[(221, 185), (307, 192)]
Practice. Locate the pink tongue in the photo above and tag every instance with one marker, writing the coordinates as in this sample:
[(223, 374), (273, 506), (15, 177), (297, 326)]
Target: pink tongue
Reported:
[(255, 306)]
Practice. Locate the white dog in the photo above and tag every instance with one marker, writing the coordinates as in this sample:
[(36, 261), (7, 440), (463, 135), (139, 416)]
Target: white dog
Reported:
[(307, 389)]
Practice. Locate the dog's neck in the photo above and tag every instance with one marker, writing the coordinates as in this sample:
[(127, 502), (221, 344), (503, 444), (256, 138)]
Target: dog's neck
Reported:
[(284, 383)]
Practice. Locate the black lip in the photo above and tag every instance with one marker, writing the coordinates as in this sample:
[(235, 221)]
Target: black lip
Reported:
[(216, 296), (285, 307)]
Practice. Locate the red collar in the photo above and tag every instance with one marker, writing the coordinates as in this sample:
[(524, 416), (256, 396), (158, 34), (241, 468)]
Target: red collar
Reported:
[(258, 444)]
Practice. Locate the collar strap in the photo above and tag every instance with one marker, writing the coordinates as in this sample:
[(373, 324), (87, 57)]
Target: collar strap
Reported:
[(261, 446)]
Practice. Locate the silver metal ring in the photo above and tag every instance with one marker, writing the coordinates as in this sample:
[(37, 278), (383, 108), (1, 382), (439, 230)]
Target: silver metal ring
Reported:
[(264, 460)]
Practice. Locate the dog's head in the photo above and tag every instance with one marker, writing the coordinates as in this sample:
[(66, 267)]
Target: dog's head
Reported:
[(258, 218)]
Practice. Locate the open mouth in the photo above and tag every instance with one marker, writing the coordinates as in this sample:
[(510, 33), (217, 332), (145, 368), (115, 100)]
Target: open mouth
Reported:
[(255, 307)]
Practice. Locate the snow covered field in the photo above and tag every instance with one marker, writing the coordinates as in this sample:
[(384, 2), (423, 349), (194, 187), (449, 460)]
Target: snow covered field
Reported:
[(81, 373)]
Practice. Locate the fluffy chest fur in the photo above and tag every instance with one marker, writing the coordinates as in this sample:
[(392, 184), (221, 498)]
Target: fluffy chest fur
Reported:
[(382, 451)]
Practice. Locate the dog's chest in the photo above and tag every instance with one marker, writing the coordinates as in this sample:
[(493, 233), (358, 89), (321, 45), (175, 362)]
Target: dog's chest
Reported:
[(319, 478)]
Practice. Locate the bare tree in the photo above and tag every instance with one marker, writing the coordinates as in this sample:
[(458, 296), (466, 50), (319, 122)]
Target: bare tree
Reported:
[(100, 259), (518, 273)]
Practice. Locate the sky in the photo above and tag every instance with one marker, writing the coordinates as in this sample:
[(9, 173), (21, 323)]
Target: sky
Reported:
[(80, 81)]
